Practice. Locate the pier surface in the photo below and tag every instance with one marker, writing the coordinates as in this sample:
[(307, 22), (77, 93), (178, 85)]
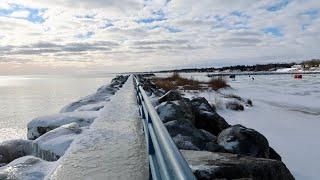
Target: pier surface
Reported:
[(113, 147)]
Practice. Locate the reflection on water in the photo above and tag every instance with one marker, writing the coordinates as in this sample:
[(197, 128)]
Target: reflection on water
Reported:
[(23, 98)]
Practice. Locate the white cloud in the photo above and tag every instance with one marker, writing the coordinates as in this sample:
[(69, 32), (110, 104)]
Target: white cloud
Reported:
[(20, 14), (141, 35)]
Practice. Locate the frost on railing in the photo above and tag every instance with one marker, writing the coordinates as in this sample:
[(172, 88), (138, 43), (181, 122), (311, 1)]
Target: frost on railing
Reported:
[(165, 160)]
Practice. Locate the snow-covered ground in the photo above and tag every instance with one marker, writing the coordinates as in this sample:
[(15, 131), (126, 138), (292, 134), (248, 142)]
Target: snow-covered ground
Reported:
[(285, 110)]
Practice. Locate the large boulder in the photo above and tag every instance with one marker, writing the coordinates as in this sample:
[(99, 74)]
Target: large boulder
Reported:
[(206, 117), (41, 125), (52, 145), (209, 165), (171, 95), (241, 140), (186, 136), (175, 110), (27, 168), (200, 103), (235, 106), (13, 149)]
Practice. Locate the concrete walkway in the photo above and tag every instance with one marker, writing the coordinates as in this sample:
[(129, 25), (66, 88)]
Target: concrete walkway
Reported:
[(113, 147)]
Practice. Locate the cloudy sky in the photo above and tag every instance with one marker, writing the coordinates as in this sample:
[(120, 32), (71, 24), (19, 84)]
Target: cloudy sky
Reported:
[(133, 35)]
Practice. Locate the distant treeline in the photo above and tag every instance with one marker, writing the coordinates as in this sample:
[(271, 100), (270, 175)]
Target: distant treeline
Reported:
[(257, 67), (311, 63)]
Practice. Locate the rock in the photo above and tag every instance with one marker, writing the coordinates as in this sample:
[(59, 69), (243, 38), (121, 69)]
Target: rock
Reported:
[(27, 168), (41, 125), (102, 95), (13, 149), (185, 135), (185, 142), (214, 147), (211, 121), (52, 145), (209, 165), (206, 117), (241, 140), (200, 103), (274, 155), (171, 95), (175, 110), (249, 102), (236, 106), (208, 135)]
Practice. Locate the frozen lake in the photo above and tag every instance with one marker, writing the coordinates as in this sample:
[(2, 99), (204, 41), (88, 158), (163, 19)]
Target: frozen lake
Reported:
[(286, 111), (23, 98)]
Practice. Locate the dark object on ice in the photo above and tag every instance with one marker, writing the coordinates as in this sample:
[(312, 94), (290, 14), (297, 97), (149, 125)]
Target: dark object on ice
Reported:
[(298, 76), (171, 95), (232, 77), (241, 140), (206, 116), (236, 106), (249, 102), (207, 165)]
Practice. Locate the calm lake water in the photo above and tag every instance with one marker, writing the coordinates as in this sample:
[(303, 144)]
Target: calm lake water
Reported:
[(23, 98)]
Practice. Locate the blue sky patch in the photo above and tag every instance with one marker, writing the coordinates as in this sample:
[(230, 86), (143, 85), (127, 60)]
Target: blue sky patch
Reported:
[(274, 31), (34, 14), (85, 35), (312, 13), (278, 6)]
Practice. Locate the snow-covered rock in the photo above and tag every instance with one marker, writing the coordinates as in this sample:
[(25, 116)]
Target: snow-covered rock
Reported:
[(186, 136), (241, 140), (209, 165), (206, 116), (52, 145), (13, 149), (41, 125), (175, 110), (27, 168), (171, 95)]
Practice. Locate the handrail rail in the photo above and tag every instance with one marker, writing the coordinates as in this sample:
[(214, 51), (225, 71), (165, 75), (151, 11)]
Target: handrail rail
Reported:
[(165, 160)]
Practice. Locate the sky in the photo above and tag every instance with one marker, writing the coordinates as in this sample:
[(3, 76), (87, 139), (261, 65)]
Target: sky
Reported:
[(59, 36)]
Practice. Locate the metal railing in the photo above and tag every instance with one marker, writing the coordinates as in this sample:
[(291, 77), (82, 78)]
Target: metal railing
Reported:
[(165, 160)]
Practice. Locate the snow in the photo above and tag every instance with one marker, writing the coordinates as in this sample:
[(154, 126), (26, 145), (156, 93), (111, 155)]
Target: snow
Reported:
[(83, 118), (285, 110)]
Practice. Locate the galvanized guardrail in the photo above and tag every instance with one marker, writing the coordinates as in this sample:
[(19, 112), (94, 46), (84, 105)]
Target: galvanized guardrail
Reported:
[(165, 160)]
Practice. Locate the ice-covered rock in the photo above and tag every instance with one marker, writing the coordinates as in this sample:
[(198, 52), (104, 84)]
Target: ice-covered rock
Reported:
[(91, 107), (175, 110), (102, 96), (185, 135), (209, 165), (13, 149), (52, 145), (241, 140), (171, 95), (27, 168), (41, 125)]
